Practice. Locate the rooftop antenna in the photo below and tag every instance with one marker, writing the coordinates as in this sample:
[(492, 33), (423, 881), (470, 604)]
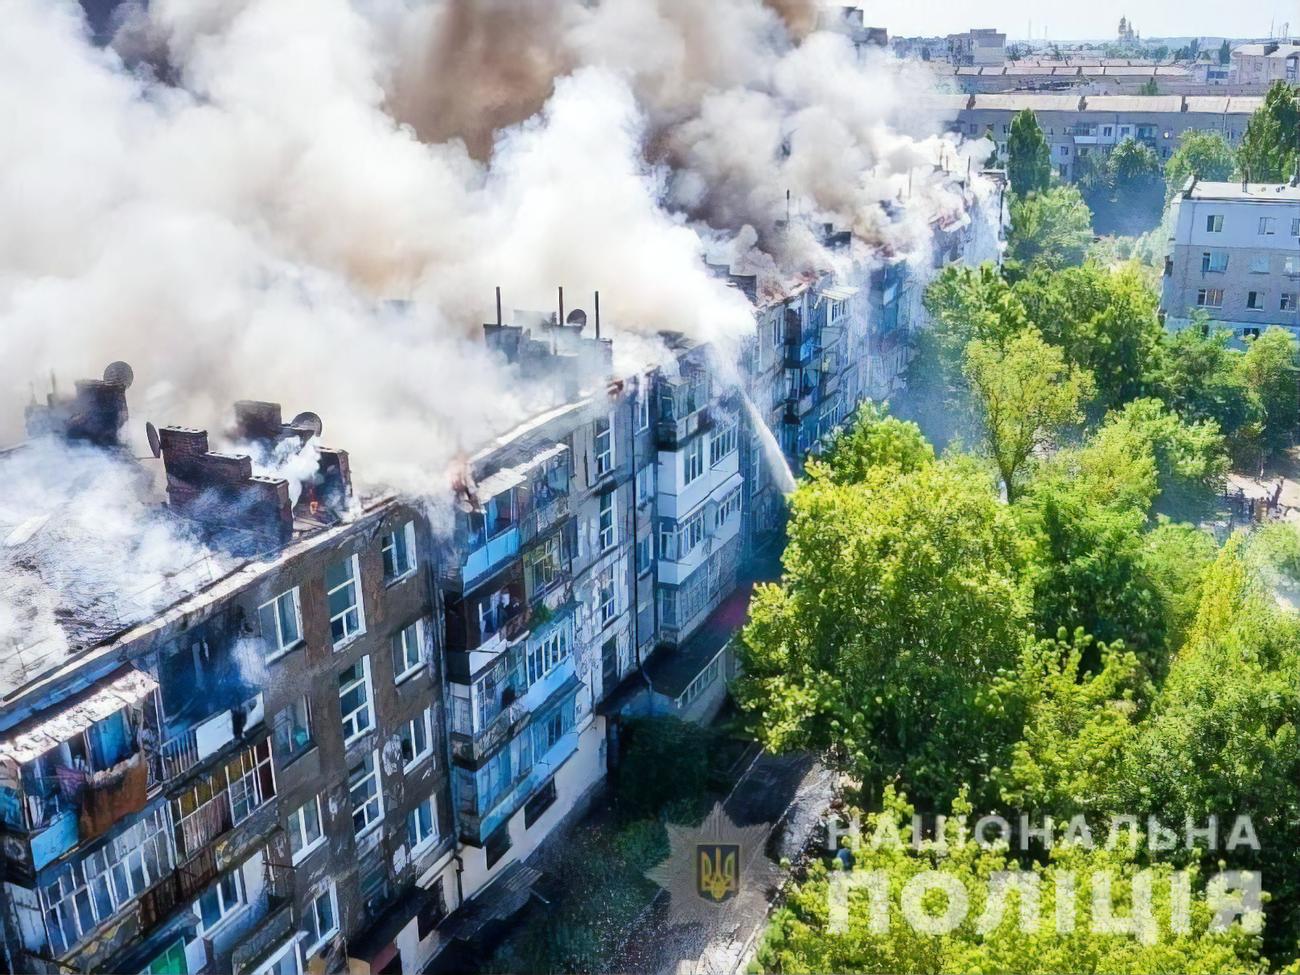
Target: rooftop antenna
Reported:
[(560, 320), (597, 314), (498, 306), (54, 386), (787, 209)]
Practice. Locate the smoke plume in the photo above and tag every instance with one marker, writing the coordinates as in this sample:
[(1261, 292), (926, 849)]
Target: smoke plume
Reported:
[(312, 200)]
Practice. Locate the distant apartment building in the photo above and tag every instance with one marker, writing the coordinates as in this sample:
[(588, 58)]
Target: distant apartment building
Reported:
[(341, 738), (1077, 126), (1235, 257), (1265, 63), (980, 47)]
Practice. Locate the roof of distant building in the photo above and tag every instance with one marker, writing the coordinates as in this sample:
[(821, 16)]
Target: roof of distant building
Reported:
[(1250, 192)]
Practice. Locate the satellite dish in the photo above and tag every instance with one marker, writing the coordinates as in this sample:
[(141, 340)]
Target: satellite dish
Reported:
[(576, 317), (308, 421), (119, 373), (151, 434)]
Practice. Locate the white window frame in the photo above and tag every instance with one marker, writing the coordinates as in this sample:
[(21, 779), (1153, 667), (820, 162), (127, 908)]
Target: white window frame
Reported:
[(1214, 223), (1209, 298), (1214, 262), (347, 719), (313, 919), (298, 827), (228, 911), (272, 964), (644, 565), (1267, 226), (604, 453), (275, 610), (422, 720), (606, 597), (402, 647), (546, 654), (419, 843), (1256, 300), (728, 506), (645, 483), (643, 405), (389, 551), (693, 460), (350, 633), (1288, 301), (608, 532), (248, 784), (723, 443), (372, 823), (1259, 264)]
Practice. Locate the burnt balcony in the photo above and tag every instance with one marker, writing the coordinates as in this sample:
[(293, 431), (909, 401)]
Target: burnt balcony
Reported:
[(175, 891)]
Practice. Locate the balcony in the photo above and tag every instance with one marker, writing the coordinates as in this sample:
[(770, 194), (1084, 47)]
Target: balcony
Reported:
[(544, 515), (175, 891)]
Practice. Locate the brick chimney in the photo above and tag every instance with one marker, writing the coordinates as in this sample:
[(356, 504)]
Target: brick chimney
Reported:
[(219, 488), (95, 414)]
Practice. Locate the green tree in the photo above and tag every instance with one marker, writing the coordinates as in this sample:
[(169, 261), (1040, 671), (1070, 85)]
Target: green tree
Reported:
[(1149, 87), (1206, 155), (1029, 163), (1135, 170), (800, 938), (1225, 53), (1269, 371), (1201, 380), (902, 603), (1272, 139), (1104, 321), (873, 440), (1051, 228), (1027, 395), (663, 759)]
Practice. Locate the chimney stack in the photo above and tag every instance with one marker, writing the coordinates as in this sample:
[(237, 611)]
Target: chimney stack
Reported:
[(95, 413)]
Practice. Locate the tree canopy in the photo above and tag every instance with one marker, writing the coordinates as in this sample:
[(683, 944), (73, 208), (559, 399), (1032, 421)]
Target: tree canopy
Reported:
[(1051, 228), (1029, 161), (1271, 143), (1206, 155)]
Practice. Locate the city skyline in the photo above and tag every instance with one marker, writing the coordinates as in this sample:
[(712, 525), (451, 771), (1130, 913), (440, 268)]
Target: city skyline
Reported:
[(1097, 21)]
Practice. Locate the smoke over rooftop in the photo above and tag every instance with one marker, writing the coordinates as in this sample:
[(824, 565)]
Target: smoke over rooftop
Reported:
[(312, 200)]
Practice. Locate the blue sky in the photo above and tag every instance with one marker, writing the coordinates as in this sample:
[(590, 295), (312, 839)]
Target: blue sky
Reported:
[(1095, 18)]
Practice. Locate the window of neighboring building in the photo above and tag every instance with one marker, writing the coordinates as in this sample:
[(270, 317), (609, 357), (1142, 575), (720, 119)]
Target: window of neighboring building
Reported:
[(546, 654), (608, 522), (604, 445), (1291, 265), (354, 700), (642, 555), (320, 920), (605, 597), (1214, 223), (347, 619), (367, 800), (422, 826), (408, 651), (1267, 226), (668, 539), (729, 507), (398, 550), (497, 845), (1259, 264), (643, 405), (1288, 301), (1215, 261), (417, 740), (305, 833), (645, 483), (1255, 300), (1209, 298), (220, 902), (293, 729), (1295, 226), (281, 623), (539, 802), (723, 444), (693, 461)]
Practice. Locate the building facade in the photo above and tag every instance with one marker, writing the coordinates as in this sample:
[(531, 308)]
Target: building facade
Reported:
[(1234, 257), (338, 746)]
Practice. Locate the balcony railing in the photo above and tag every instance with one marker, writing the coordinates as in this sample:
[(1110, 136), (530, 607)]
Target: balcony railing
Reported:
[(177, 889), (543, 516)]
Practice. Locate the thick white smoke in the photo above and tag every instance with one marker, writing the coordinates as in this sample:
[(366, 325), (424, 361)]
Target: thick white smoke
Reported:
[(232, 195)]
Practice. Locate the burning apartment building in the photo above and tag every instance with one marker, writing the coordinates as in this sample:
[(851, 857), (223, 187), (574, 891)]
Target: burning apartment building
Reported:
[(337, 734), (251, 775)]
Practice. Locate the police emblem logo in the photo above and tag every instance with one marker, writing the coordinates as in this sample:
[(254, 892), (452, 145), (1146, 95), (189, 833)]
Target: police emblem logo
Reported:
[(717, 871)]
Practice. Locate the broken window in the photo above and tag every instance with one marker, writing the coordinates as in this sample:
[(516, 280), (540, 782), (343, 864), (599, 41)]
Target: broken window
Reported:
[(417, 740), (364, 790), (354, 700), (398, 550)]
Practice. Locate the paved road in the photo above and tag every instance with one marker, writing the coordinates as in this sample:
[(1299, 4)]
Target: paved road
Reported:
[(788, 794)]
